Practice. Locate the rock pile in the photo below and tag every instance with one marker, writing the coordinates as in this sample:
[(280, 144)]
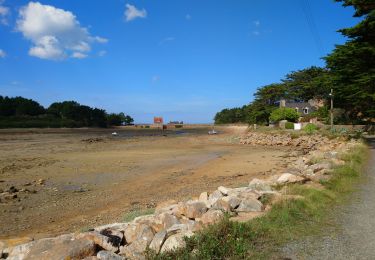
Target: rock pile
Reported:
[(309, 142), (172, 221)]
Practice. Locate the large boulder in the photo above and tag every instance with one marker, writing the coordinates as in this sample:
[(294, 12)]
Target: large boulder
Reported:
[(137, 231), (195, 209), (222, 205), (106, 255), (223, 190), (105, 239), (260, 185), (175, 241), (158, 241), (212, 216), (289, 178), (167, 220), (62, 247), (250, 205), (233, 201)]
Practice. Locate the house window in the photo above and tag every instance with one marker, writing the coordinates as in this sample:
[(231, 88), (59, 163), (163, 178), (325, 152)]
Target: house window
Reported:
[(306, 110)]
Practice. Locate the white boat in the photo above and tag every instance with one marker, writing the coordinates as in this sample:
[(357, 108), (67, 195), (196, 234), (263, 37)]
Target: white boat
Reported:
[(212, 132), (114, 134)]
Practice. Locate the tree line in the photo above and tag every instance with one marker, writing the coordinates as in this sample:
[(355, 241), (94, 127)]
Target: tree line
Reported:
[(22, 112), (349, 71)]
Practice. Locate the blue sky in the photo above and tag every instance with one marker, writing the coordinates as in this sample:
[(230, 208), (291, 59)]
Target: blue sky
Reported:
[(183, 60)]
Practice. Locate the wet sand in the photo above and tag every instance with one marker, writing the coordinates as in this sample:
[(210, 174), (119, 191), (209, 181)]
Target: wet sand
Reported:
[(91, 178)]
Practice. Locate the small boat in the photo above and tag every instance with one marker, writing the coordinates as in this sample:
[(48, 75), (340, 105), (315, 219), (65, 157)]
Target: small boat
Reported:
[(212, 132), (114, 134)]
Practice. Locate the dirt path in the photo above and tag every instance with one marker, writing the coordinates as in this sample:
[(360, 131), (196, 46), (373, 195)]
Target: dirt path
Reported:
[(355, 236)]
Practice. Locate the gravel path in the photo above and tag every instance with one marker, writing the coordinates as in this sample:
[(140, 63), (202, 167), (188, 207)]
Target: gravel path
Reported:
[(355, 236)]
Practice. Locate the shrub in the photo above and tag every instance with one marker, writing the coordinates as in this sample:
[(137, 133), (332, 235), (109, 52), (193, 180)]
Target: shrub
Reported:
[(178, 126), (310, 128), (289, 125), (284, 113)]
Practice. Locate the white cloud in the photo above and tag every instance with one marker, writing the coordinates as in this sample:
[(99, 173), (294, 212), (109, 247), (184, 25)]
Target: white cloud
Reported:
[(102, 53), (2, 54), (257, 23), (79, 55), (56, 34), (101, 40), (188, 17), (132, 13), (4, 13), (256, 33)]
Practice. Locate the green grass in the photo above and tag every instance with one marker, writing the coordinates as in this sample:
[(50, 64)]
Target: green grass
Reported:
[(288, 220), (128, 217)]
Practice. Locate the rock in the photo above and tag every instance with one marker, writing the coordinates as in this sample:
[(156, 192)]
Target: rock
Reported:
[(216, 195), (223, 190), (203, 197), (106, 255), (113, 226), (166, 206), (260, 185), (62, 247), (135, 231), (289, 178), (167, 220), (135, 250), (179, 210), (195, 209), (141, 240), (233, 201), (250, 205), (111, 244), (212, 216), (319, 166), (177, 228), (158, 241), (246, 216), (222, 205), (175, 241)]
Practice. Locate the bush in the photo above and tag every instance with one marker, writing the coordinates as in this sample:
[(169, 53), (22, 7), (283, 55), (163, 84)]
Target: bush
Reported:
[(178, 126), (284, 113), (289, 125), (310, 128)]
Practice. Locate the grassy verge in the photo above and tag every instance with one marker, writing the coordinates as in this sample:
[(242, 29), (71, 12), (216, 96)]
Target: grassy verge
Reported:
[(130, 216), (288, 220)]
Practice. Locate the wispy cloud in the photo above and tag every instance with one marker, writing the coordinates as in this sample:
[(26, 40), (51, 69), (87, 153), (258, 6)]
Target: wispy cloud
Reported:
[(102, 53), (4, 13), (2, 53), (256, 33), (131, 13), (256, 23), (167, 39)]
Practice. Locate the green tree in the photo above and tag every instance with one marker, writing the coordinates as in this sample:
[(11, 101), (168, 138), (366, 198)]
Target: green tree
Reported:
[(284, 113), (309, 83), (352, 64)]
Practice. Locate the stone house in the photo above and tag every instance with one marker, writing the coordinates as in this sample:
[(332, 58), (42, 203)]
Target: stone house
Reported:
[(303, 108)]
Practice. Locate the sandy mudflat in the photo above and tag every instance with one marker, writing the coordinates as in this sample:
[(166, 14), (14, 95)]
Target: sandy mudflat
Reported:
[(92, 183)]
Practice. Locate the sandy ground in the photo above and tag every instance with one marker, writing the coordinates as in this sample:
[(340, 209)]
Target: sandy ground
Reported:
[(87, 184)]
